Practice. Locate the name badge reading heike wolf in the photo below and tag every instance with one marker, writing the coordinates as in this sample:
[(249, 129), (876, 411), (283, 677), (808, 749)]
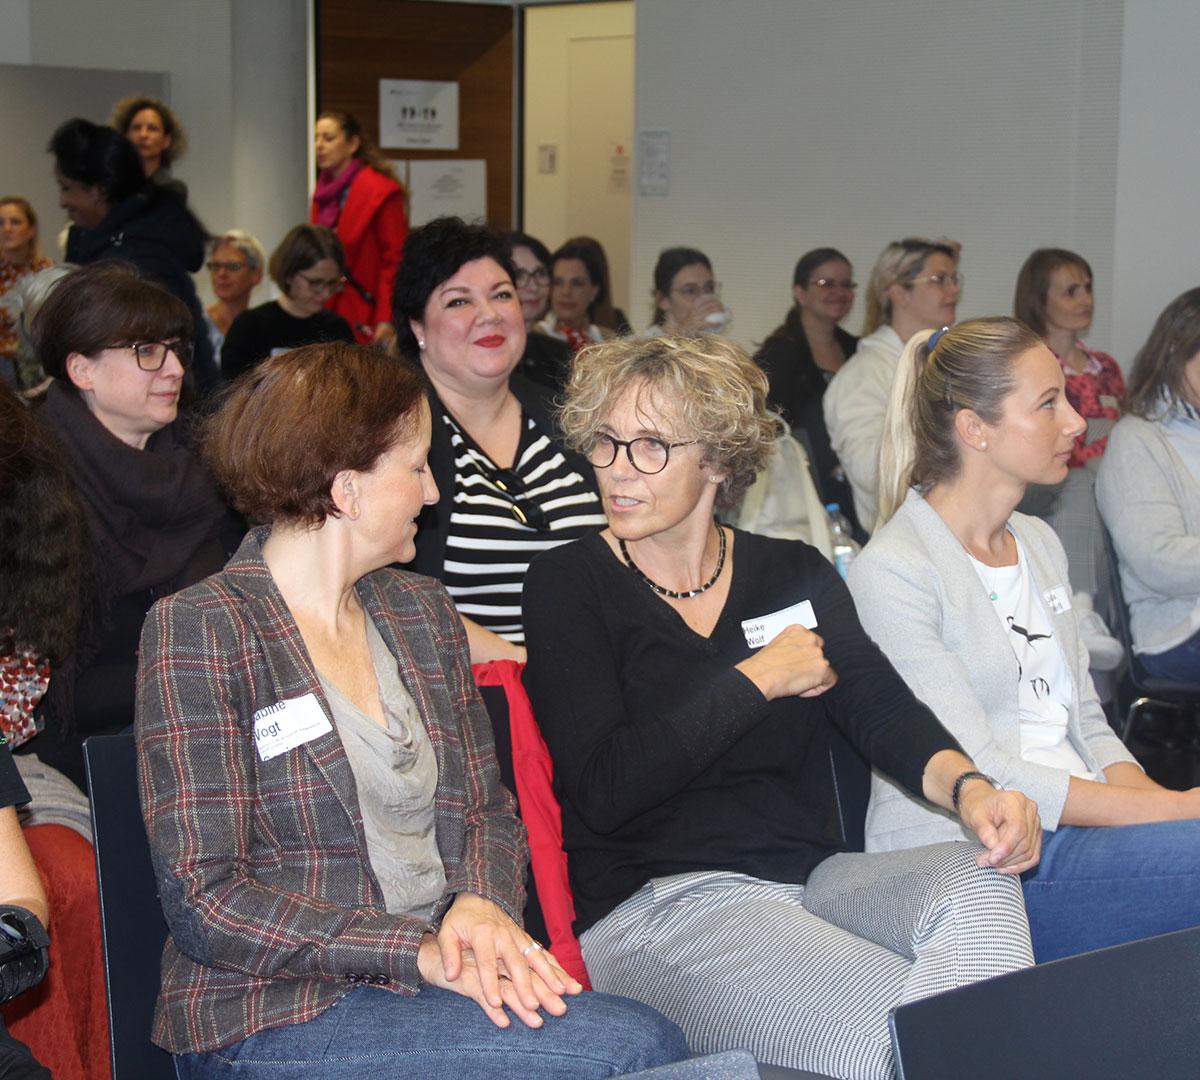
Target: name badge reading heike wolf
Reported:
[(766, 627)]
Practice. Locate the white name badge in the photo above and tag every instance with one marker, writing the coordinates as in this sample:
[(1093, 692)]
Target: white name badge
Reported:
[(1057, 599), (287, 724), (761, 630)]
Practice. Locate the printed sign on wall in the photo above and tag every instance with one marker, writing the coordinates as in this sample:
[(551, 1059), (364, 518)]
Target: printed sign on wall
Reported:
[(418, 114)]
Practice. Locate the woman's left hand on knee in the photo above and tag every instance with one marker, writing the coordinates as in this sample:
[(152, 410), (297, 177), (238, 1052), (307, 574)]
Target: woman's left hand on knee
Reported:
[(1007, 825)]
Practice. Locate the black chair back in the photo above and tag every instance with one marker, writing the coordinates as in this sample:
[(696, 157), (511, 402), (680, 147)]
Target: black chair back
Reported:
[(131, 920), (1149, 690), (1127, 1011)]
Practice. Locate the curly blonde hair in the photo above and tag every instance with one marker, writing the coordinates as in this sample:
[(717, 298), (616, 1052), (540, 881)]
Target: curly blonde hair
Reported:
[(708, 385)]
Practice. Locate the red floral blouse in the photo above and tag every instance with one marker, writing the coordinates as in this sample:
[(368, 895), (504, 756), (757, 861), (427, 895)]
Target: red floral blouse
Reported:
[(1095, 393)]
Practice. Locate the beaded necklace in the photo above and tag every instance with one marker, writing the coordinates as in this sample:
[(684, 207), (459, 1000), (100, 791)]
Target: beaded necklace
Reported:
[(671, 592)]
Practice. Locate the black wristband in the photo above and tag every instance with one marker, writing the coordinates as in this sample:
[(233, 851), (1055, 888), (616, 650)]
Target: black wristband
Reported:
[(970, 774)]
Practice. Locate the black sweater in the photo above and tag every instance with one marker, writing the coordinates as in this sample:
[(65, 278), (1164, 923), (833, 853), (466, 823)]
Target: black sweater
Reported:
[(797, 389), (262, 331), (667, 759)]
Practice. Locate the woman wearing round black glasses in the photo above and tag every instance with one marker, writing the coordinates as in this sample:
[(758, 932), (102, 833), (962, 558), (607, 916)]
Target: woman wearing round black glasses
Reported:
[(308, 266), (509, 489), (687, 678), (117, 347), (547, 360)]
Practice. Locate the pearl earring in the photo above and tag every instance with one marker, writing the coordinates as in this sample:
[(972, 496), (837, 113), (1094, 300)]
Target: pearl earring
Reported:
[(420, 343), (983, 444)]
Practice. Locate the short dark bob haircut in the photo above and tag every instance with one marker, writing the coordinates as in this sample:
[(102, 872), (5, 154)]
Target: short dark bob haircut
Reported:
[(286, 428), (1033, 284), (540, 251), (97, 156), (105, 303), (433, 254), (303, 247)]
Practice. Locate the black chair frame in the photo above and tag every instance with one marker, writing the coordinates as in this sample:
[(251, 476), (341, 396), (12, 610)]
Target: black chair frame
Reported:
[(1150, 691)]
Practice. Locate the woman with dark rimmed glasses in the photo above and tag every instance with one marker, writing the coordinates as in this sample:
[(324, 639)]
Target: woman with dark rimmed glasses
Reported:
[(687, 677), (547, 360), (509, 489), (117, 347)]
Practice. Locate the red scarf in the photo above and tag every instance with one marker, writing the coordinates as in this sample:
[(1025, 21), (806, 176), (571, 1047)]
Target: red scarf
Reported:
[(331, 192)]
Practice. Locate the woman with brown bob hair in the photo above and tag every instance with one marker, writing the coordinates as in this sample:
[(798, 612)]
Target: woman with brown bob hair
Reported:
[(309, 267), (116, 347), (318, 778), (689, 706)]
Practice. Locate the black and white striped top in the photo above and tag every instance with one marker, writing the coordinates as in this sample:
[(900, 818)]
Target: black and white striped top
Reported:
[(487, 548)]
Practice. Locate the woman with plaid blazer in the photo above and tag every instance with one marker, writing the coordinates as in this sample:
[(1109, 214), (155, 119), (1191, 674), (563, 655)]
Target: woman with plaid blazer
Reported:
[(340, 868)]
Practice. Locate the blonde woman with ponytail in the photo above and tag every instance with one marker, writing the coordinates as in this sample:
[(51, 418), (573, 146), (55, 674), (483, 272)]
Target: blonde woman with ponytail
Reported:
[(971, 602)]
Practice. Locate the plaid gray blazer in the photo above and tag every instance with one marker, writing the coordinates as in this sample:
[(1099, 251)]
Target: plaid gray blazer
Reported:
[(262, 867)]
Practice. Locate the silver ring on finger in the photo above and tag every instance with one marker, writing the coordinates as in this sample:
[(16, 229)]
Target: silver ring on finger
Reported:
[(532, 947)]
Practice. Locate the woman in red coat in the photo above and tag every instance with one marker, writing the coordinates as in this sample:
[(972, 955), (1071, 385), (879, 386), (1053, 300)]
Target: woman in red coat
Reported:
[(357, 195)]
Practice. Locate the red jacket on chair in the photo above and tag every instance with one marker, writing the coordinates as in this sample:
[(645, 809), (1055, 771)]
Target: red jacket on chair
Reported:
[(372, 227)]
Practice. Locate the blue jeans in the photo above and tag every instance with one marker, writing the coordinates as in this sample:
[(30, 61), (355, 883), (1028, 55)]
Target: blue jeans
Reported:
[(1182, 663), (441, 1034), (1101, 886)]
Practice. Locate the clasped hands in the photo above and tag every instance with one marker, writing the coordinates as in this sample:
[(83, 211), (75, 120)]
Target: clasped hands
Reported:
[(481, 953)]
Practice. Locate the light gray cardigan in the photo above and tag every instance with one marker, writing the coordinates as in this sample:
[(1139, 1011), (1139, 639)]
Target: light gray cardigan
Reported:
[(1151, 504), (919, 597)]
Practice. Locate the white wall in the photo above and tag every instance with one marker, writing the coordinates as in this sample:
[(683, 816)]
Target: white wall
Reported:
[(795, 125), (1158, 166), (579, 99), (237, 79)]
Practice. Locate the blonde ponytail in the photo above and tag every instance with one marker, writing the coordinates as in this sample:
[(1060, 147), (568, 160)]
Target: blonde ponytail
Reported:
[(969, 366), (898, 450)]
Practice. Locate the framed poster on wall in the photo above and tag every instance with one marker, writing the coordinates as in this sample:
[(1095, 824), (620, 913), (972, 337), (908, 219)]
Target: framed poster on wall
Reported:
[(418, 113)]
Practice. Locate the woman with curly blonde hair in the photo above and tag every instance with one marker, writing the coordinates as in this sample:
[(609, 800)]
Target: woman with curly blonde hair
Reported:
[(687, 677)]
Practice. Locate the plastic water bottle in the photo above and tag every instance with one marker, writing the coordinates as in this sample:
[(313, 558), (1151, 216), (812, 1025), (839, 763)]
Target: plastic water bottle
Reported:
[(844, 545)]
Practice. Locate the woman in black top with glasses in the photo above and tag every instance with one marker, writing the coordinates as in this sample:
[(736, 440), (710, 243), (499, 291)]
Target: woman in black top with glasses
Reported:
[(117, 347), (805, 352), (508, 488)]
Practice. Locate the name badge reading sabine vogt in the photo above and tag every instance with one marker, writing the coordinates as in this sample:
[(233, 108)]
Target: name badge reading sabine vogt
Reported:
[(287, 724), (762, 629)]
